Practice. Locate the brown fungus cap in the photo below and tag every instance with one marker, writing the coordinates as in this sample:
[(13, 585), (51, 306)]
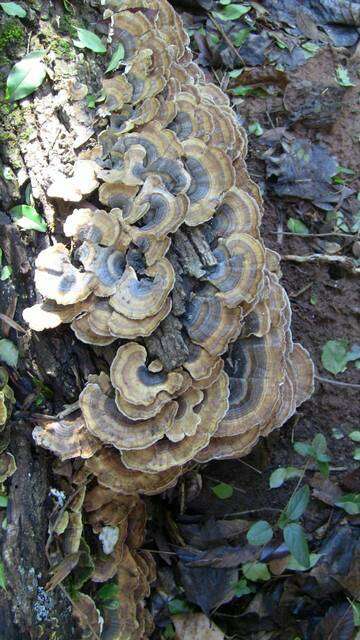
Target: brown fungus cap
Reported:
[(140, 298), (104, 421), (58, 279), (106, 465), (166, 454), (95, 225), (83, 182), (135, 383), (67, 437), (48, 314)]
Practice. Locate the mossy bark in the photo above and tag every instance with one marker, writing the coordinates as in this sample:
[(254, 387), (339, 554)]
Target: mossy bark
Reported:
[(39, 135)]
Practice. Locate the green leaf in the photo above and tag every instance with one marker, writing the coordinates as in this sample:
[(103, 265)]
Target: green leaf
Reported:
[(5, 273), (13, 9), (350, 502), (235, 73), (108, 591), (311, 47), (356, 612), (90, 101), (240, 36), (297, 503), (255, 571), (232, 12), (8, 352), (354, 353), (223, 490), (27, 217), (356, 454), (297, 226), (259, 533), (2, 576), (279, 476), (319, 443), (296, 542), (111, 604), (256, 129), (177, 605), (169, 632), (342, 77), (304, 449), (116, 58), (334, 356), (241, 588), (89, 40), (3, 501), (26, 76), (294, 565)]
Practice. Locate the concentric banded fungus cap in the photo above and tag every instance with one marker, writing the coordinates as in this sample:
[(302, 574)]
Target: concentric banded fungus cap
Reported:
[(303, 371), (211, 174), (186, 419), (239, 273), (67, 438), (256, 376), (106, 263), (135, 383), (83, 331), (166, 454), (106, 465), (211, 324), (95, 225), (58, 279), (138, 299), (156, 210), (104, 421), (123, 327), (237, 213)]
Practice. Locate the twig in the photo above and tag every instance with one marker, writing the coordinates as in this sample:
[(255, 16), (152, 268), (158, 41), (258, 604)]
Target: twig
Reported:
[(337, 383), (11, 323), (226, 38), (251, 511), (69, 409), (315, 235), (296, 294), (250, 467), (348, 263)]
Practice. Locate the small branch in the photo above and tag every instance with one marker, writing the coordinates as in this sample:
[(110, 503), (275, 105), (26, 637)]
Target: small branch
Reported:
[(315, 235), (348, 263), (11, 323), (337, 383), (226, 38)]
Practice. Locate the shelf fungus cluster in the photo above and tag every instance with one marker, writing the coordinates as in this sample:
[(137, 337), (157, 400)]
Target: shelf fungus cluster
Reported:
[(165, 267), (172, 272)]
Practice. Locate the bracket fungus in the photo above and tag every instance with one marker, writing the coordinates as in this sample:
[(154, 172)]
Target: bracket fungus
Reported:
[(203, 363)]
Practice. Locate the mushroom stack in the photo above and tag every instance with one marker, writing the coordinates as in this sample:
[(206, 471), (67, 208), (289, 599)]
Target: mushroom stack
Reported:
[(173, 270)]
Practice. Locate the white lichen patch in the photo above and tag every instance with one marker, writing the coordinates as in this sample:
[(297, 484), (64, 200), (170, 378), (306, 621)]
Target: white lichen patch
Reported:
[(59, 496), (109, 537)]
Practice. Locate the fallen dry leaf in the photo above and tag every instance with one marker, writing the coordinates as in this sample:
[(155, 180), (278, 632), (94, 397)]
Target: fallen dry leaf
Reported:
[(196, 625)]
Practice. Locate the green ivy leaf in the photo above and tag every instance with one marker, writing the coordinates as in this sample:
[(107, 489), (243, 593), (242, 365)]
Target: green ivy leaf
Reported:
[(256, 129), (294, 565), (13, 9), (116, 58), (5, 273), (223, 490), (297, 503), (255, 571), (260, 533), (296, 542), (334, 356), (232, 12), (342, 77), (350, 502), (27, 217), (8, 353), (242, 588), (3, 501), (279, 476), (177, 605), (297, 226), (89, 40), (26, 76), (240, 36), (2, 576)]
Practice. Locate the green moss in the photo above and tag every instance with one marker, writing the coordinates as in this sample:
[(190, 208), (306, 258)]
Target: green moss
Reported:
[(67, 25), (64, 49), (12, 36)]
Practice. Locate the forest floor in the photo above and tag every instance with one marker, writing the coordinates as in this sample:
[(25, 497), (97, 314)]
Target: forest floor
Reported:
[(293, 75)]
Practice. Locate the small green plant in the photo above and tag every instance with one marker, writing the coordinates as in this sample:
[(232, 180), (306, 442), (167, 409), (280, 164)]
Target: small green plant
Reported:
[(317, 450)]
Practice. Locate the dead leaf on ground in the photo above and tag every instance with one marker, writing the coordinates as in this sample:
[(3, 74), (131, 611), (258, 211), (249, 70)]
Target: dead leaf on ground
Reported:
[(196, 626)]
